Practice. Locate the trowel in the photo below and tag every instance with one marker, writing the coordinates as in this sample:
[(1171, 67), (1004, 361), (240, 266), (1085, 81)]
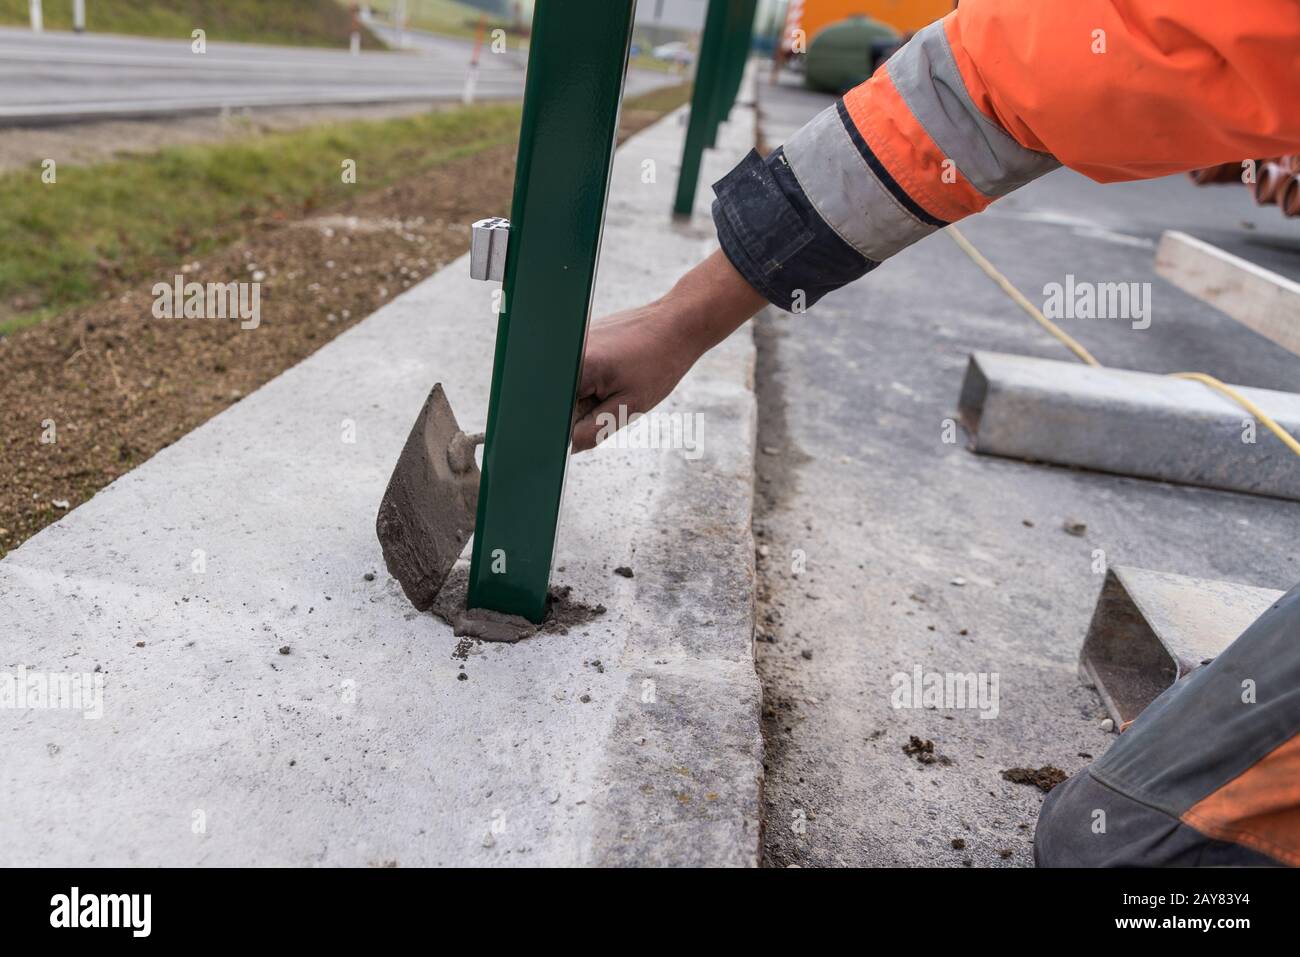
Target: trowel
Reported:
[(427, 514), (426, 517)]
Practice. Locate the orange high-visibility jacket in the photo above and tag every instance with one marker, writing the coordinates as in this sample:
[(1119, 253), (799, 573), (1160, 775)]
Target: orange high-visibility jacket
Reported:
[(996, 94)]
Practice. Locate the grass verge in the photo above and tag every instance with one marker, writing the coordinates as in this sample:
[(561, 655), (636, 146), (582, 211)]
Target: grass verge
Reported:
[(108, 223), (100, 226), (659, 102), (93, 391), (446, 17), (323, 23), (647, 61)]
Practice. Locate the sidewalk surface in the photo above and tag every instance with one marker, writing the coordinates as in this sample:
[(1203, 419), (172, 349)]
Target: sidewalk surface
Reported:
[(920, 554), (264, 703)]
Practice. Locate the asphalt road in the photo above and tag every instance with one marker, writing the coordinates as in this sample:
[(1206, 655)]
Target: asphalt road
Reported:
[(912, 552), (58, 77)]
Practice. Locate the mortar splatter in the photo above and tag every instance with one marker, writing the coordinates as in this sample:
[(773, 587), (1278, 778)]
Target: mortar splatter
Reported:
[(562, 613)]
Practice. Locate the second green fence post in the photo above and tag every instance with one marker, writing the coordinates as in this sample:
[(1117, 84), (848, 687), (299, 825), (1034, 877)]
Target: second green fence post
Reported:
[(577, 62)]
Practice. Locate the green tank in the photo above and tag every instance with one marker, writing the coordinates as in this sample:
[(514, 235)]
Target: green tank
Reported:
[(846, 53)]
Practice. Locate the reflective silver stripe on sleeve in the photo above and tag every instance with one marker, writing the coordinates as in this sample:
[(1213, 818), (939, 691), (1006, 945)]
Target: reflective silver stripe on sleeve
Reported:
[(926, 77), (846, 193)]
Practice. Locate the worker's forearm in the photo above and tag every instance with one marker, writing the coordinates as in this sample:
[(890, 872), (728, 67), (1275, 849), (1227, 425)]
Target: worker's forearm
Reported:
[(993, 96), (897, 158), (635, 358), (708, 304)]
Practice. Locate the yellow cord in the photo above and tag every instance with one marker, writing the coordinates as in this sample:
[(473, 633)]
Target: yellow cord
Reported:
[(1287, 438), (1077, 348), (1071, 343)]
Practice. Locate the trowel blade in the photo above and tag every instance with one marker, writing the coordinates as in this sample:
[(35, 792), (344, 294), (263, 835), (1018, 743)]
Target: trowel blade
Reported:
[(427, 515)]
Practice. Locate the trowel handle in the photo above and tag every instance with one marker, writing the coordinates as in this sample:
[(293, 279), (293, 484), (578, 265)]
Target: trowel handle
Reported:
[(460, 454)]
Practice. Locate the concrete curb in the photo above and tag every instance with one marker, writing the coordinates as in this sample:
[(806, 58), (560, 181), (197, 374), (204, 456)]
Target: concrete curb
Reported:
[(1127, 423), (1151, 629), (632, 740), (1258, 298)]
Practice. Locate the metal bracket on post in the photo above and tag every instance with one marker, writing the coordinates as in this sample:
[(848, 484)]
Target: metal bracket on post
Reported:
[(576, 66), (489, 242)]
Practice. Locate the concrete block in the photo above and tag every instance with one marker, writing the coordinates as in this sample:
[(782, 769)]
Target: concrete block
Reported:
[(1128, 423), (1256, 297), (1151, 629)]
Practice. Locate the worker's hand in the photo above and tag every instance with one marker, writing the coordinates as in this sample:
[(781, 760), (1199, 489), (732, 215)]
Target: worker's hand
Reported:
[(633, 361), (635, 358)]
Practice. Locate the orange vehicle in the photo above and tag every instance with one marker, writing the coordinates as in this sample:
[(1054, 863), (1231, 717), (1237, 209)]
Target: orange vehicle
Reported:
[(806, 18)]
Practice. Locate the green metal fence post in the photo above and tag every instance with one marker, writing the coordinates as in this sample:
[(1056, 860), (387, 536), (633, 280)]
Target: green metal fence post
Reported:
[(744, 45), (738, 35), (699, 125), (718, 103), (577, 63)]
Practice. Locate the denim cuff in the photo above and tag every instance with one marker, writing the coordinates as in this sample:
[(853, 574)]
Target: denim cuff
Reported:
[(775, 238)]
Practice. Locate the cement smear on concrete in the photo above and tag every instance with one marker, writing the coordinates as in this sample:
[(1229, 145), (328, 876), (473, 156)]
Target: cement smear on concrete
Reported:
[(563, 612)]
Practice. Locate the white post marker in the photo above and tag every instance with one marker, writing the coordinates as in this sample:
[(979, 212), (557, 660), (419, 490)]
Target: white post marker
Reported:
[(79, 15), (38, 21), (356, 43), (471, 78)]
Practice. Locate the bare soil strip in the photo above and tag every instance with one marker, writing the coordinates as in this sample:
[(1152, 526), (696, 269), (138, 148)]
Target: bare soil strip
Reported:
[(92, 393)]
